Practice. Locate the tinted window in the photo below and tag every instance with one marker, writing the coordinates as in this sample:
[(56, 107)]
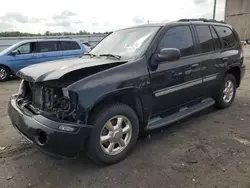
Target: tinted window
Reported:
[(25, 48), (179, 37), (227, 36), (205, 37), (216, 39), (47, 46), (69, 45)]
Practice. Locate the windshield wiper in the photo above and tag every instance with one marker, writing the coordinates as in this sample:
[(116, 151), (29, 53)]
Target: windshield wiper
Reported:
[(92, 55), (112, 55)]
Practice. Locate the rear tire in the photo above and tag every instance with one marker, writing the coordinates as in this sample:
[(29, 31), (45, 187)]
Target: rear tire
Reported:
[(115, 133), (227, 92), (4, 74)]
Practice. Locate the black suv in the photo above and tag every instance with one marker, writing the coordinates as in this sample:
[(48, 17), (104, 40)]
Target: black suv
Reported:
[(134, 80)]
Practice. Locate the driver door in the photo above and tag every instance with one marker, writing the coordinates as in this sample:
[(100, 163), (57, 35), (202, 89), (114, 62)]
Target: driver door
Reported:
[(178, 82), (23, 56)]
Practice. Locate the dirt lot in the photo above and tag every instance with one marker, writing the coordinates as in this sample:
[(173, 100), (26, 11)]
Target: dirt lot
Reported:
[(211, 149)]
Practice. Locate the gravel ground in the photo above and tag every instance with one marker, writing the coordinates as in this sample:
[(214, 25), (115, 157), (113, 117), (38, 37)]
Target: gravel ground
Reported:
[(210, 149)]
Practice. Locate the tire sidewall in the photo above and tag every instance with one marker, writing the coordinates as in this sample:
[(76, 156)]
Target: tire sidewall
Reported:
[(7, 76), (94, 148), (220, 101)]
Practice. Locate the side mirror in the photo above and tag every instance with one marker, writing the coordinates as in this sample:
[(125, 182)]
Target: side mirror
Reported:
[(13, 53), (166, 54)]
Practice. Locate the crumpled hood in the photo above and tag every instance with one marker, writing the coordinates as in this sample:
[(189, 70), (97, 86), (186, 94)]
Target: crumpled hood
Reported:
[(56, 69)]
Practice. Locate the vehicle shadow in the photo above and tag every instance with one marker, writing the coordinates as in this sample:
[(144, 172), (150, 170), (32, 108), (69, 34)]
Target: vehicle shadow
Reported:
[(11, 79), (81, 171), (158, 134)]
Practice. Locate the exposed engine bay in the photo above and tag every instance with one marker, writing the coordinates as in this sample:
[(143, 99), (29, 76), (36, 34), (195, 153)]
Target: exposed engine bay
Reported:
[(49, 101)]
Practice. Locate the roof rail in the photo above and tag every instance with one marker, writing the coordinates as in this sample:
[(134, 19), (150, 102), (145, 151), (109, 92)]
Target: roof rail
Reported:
[(201, 20)]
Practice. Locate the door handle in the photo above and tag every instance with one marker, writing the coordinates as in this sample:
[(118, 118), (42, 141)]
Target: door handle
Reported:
[(194, 66)]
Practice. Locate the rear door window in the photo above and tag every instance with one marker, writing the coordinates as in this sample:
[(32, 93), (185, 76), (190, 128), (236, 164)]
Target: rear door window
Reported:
[(227, 36), (70, 45), (215, 38), (49, 46), (205, 38), (179, 37)]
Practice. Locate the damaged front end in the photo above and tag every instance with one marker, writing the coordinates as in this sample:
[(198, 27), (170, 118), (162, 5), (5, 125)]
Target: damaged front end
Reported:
[(47, 99), (43, 115), (43, 88)]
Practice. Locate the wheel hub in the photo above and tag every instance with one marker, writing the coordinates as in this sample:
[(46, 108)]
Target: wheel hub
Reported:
[(116, 135)]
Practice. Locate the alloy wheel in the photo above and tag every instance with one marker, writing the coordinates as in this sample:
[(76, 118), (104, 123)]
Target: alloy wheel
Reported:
[(228, 91), (116, 135), (3, 74)]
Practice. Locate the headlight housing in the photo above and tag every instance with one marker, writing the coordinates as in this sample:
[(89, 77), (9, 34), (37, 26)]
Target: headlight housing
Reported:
[(21, 88)]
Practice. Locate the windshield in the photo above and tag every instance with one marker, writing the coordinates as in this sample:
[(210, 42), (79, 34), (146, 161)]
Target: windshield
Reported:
[(127, 43), (9, 48)]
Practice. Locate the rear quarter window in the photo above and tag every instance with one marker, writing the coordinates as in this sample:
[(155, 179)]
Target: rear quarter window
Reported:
[(227, 36), (70, 45)]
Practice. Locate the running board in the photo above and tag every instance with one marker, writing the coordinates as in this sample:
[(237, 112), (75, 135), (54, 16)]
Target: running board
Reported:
[(183, 113)]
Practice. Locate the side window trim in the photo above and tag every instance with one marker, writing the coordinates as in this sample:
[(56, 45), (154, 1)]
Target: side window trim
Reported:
[(199, 52), (192, 35), (195, 39), (59, 46), (209, 27), (221, 42)]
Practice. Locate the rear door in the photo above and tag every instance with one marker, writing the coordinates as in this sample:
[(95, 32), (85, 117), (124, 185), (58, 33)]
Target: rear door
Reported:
[(49, 51), (217, 47), (209, 55), (178, 82), (71, 49)]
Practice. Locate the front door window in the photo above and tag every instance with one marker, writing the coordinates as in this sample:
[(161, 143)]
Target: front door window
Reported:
[(26, 48)]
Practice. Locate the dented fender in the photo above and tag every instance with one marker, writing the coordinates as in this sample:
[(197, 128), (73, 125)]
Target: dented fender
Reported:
[(131, 77)]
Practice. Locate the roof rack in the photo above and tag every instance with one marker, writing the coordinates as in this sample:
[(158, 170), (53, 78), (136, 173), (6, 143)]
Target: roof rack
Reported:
[(201, 20)]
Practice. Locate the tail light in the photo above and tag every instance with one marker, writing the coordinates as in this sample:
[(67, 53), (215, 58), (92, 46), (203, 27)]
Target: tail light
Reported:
[(242, 50)]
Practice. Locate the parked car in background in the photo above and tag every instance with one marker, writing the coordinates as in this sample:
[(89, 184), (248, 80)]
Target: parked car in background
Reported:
[(31, 52)]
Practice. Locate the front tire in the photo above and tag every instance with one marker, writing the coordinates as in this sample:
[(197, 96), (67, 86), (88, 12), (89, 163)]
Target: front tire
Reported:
[(115, 132), (4, 74), (227, 92)]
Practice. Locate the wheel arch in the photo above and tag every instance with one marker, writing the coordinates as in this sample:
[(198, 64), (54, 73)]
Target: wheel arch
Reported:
[(236, 72), (130, 97), (3, 65)]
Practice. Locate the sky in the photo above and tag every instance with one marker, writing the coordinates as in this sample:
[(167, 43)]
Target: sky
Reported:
[(98, 15)]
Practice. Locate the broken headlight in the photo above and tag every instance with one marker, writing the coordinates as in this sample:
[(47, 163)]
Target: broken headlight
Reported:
[(21, 88), (60, 106)]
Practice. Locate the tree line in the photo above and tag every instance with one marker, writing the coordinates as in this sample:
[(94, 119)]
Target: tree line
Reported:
[(47, 33)]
